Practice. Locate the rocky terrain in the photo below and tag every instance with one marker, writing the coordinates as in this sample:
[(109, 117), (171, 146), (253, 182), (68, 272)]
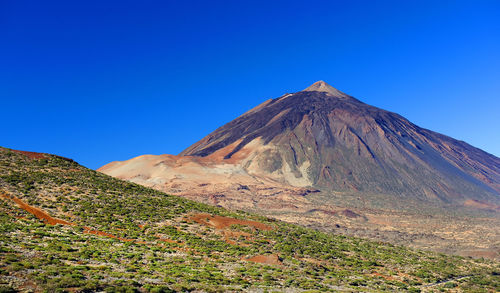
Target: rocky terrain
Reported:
[(65, 228), (324, 159)]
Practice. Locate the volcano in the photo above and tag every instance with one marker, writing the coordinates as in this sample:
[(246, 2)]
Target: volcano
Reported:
[(319, 153), (324, 138)]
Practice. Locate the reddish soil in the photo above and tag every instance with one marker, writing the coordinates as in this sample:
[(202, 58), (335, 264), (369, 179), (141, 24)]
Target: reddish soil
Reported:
[(37, 212), (31, 155), (400, 277), (101, 233), (168, 240), (40, 214), (271, 259), (229, 241), (234, 234), (389, 278), (220, 222)]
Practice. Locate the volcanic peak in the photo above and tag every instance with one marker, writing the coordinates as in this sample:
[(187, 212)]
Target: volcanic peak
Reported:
[(321, 86)]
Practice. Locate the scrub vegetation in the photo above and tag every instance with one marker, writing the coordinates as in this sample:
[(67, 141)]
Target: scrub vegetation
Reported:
[(66, 228)]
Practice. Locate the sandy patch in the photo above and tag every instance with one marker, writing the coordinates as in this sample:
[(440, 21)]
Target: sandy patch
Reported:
[(271, 259)]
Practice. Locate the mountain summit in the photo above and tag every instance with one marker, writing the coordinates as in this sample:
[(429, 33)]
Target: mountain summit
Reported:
[(321, 86)]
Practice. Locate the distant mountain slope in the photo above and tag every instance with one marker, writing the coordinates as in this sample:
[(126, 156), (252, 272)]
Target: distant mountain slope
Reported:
[(324, 138), (65, 228)]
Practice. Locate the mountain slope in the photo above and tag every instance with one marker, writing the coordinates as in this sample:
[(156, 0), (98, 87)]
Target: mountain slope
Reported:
[(324, 138), (70, 229)]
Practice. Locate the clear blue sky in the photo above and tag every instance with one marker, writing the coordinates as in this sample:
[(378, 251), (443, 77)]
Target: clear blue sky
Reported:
[(99, 81)]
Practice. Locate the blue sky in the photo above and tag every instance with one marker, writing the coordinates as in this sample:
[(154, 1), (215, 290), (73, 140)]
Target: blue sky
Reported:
[(99, 81)]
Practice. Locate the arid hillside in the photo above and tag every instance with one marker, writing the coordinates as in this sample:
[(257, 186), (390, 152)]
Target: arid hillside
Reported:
[(65, 228)]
